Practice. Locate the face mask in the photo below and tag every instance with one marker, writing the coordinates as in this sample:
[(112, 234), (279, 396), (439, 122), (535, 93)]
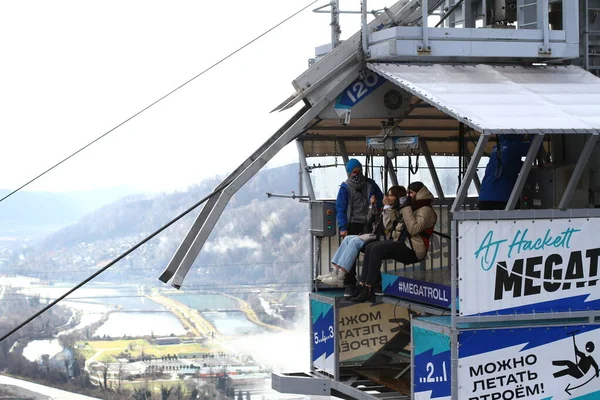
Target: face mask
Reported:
[(356, 178)]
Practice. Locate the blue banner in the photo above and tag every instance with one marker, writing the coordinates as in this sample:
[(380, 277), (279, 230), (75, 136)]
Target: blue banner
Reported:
[(323, 335), (424, 292), (431, 365), (538, 363), (358, 91)]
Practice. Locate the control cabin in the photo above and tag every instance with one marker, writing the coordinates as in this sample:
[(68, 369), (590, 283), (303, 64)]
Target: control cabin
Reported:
[(506, 303)]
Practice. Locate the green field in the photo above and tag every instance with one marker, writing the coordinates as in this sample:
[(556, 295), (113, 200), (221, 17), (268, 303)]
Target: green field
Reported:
[(135, 347)]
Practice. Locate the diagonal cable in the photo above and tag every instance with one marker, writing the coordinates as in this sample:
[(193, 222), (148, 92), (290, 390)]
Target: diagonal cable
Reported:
[(157, 101), (110, 264)]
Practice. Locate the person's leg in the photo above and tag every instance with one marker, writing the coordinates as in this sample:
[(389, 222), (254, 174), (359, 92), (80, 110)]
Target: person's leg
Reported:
[(350, 278), (365, 269), (347, 259), (343, 261), (366, 291), (335, 260), (336, 256), (382, 251)]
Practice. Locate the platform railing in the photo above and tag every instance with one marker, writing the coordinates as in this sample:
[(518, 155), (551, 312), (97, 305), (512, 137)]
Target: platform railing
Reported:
[(438, 255)]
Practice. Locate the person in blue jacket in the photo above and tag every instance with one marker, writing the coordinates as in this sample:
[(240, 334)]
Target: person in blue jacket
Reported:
[(502, 171), (352, 207)]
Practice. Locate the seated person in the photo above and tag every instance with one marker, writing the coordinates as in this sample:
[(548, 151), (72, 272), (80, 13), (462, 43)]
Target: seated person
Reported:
[(502, 171), (410, 240), (346, 255)]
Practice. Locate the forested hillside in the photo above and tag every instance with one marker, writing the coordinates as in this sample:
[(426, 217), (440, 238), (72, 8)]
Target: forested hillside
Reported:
[(257, 240)]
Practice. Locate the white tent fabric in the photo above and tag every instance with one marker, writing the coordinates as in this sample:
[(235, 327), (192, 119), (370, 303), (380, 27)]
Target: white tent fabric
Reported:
[(505, 99)]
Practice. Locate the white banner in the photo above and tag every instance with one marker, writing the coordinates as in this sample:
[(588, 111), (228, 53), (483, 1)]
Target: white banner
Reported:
[(527, 266), (530, 363)]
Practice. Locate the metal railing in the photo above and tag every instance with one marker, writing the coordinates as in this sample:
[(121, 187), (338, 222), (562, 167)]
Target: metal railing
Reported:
[(438, 255)]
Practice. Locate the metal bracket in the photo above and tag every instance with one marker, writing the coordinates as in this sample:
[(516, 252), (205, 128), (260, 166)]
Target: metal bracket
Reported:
[(300, 383)]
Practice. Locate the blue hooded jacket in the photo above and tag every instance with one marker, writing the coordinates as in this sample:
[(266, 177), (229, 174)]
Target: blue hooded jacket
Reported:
[(503, 169), (341, 203)]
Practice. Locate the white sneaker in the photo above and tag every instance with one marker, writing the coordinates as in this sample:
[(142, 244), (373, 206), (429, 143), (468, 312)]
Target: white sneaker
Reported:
[(331, 273), (336, 280)]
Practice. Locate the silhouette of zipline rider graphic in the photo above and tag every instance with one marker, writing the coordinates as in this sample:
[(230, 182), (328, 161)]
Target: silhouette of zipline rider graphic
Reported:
[(579, 368)]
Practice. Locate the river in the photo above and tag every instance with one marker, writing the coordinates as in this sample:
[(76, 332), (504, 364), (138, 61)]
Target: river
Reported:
[(132, 314)]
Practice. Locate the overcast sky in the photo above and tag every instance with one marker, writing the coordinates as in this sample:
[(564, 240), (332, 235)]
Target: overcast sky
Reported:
[(72, 70)]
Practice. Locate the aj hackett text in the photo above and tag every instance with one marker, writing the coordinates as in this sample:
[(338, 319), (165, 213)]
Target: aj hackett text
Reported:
[(522, 270)]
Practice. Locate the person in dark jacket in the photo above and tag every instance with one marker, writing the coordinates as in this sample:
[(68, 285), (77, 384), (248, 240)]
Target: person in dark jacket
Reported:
[(352, 207), (502, 171)]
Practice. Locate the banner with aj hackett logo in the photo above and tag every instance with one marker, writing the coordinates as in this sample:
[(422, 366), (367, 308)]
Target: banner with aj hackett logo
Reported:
[(526, 266)]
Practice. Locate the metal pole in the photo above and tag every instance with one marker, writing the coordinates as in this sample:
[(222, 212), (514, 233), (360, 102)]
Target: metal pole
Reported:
[(453, 297), (364, 28), (312, 259), (391, 171), (450, 11), (476, 180), (524, 173), (468, 15), (343, 152), (466, 182), (546, 28), (425, 13), (432, 171), (586, 35), (579, 167), (335, 23), (461, 151), (305, 173)]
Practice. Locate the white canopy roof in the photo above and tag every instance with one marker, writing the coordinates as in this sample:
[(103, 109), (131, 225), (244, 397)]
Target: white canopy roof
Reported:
[(505, 99)]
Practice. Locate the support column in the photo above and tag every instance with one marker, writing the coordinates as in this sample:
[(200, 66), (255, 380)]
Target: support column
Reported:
[(524, 173), (579, 167), (472, 168), (432, 171), (305, 173)]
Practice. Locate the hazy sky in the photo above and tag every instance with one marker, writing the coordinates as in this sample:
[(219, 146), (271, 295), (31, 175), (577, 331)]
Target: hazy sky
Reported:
[(72, 70)]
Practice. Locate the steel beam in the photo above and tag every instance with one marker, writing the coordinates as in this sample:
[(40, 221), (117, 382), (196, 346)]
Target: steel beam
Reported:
[(432, 171), (453, 299), (197, 225), (471, 169), (524, 173), (300, 384), (579, 167), (343, 152), (188, 240), (476, 180), (305, 173), (275, 144), (391, 171)]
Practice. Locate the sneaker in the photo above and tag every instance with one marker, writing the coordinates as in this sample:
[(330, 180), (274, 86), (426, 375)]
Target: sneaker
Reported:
[(333, 281), (349, 291), (327, 275), (336, 280)]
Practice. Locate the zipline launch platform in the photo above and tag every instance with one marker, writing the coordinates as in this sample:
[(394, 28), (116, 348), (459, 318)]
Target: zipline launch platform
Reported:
[(506, 303)]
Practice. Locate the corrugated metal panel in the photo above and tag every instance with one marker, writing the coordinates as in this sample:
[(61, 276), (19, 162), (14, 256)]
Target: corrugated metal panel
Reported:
[(505, 99)]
